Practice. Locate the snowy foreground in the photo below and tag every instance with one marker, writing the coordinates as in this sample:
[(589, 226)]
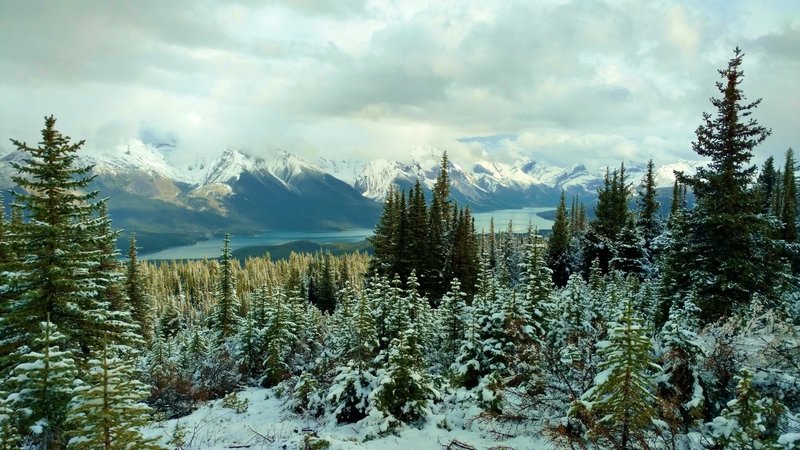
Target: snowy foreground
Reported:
[(268, 424)]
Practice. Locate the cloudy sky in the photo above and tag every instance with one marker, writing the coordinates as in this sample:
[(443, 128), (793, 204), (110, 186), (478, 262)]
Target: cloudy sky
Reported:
[(560, 81)]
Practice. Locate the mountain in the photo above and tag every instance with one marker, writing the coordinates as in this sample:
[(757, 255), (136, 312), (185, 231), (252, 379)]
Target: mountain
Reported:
[(491, 185), (169, 203)]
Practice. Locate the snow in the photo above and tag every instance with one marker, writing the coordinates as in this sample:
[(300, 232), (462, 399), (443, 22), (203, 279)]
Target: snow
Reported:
[(267, 424)]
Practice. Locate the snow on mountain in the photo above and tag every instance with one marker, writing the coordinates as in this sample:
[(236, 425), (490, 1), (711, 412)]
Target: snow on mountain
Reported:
[(378, 175), (229, 167), (665, 175), (135, 155), (478, 184), (288, 167), (346, 170)]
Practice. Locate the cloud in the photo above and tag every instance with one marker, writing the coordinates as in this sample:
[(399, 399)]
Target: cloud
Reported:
[(563, 81)]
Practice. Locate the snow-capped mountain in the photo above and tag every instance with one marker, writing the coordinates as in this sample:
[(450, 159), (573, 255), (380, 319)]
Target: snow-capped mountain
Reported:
[(238, 192)]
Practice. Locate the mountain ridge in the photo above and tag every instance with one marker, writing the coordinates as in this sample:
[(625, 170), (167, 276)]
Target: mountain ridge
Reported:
[(239, 192)]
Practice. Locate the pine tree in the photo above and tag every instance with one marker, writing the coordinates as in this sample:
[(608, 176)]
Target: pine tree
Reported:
[(622, 400), (42, 385), (745, 423), (225, 313), (558, 245), (630, 252), (538, 282), (9, 435), (731, 257), (404, 390), (57, 277), (767, 181), (106, 411), (683, 359), (418, 228), (649, 221), (450, 324), (789, 190), (140, 303)]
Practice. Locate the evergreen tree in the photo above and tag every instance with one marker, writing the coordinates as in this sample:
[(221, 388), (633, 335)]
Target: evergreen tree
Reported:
[(225, 313), (140, 303), (41, 386), (676, 204), (649, 208), (57, 276), (418, 228), (745, 423), (107, 411), (404, 390), (538, 282), (385, 235), (732, 258), (622, 400), (558, 245), (450, 324), (630, 252), (767, 181), (683, 359), (788, 212), (9, 435)]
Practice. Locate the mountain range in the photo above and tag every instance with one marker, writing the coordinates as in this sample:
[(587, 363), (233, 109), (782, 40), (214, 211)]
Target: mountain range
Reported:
[(168, 203)]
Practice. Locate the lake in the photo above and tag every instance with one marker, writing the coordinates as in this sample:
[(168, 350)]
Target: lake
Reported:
[(519, 217), (211, 248)]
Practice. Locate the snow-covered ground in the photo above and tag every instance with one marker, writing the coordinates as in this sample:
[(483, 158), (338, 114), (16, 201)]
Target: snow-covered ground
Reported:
[(267, 424)]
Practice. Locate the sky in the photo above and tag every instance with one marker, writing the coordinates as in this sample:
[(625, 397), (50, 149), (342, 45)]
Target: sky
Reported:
[(565, 82)]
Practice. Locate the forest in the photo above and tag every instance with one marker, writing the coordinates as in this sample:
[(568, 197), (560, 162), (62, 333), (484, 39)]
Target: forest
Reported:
[(626, 330)]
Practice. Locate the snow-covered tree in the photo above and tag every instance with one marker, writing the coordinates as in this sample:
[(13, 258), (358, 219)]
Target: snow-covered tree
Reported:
[(450, 325), (59, 251), (224, 317), (41, 387), (682, 360), (749, 422), (107, 410), (621, 403), (404, 390)]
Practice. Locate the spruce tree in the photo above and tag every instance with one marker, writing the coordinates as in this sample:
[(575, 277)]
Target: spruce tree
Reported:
[(649, 221), (745, 423), (57, 276), (450, 324), (767, 181), (732, 258), (622, 400), (538, 282), (140, 303), (418, 228), (107, 411), (788, 213), (225, 313), (558, 245), (41, 386), (683, 359)]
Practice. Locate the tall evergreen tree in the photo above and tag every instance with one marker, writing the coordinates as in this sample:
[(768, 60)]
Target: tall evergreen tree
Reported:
[(732, 257), (767, 181), (225, 312), (649, 221), (788, 212), (140, 302), (57, 275), (558, 245)]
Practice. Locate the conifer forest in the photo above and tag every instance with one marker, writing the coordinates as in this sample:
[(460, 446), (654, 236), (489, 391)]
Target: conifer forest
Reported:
[(621, 328)]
